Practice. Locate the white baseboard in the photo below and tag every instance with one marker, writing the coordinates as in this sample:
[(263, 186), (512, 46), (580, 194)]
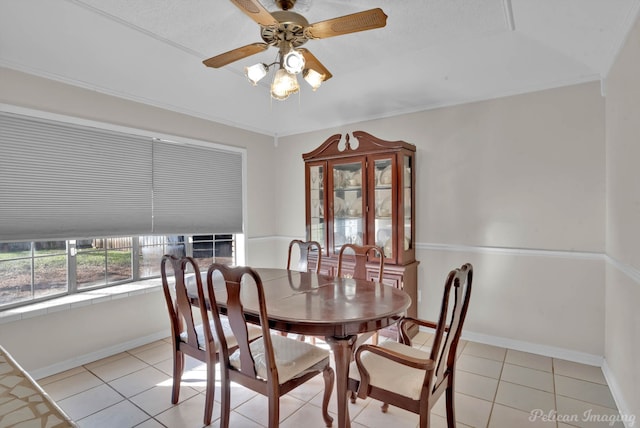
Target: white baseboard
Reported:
[(628, 417), (97, 355), (532, 348)]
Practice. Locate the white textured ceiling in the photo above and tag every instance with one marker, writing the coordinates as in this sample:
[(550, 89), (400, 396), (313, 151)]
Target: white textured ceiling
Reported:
[(431, 53)]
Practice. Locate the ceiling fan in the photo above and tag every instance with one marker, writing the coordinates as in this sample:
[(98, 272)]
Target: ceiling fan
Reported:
[(287, 31)]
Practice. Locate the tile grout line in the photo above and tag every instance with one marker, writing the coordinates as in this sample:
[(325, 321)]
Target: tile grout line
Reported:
[(555, 391), (495, 395), (104, 382)]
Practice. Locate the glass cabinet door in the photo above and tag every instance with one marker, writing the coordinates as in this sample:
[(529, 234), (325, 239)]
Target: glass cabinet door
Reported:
[(383, 203), (407, 183), (346, 180), (316, 200)]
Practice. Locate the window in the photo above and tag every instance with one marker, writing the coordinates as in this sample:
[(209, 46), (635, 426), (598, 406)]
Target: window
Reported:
[(32, 271), (36, 271), (152, 248), (85, 205), (103, 261)]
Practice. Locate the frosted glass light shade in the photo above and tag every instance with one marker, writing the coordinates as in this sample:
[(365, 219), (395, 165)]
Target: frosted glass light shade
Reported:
[(255, 72), (284, 84), (293, 62), (313, 78)]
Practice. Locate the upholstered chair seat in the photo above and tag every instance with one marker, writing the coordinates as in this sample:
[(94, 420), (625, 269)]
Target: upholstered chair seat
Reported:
[(293, 358), (390, 375)]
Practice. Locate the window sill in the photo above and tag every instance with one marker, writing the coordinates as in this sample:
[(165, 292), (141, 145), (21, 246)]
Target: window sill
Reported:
[(77, 300)]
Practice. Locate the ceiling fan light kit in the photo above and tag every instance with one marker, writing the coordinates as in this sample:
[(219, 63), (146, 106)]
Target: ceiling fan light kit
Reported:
[(287, 31), (285, 80)]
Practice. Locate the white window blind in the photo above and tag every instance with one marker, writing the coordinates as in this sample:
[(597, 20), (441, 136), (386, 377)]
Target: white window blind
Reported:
[(66, 181), (196, 190)]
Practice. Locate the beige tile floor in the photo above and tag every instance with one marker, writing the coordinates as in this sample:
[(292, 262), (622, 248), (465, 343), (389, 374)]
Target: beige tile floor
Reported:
[(495, 387)]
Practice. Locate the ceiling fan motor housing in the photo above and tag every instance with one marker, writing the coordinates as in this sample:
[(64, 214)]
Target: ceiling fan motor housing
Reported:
[(290, 29)]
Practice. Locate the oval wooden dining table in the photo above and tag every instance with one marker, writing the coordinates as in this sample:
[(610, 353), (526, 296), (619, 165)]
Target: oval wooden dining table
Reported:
[(312, 304)]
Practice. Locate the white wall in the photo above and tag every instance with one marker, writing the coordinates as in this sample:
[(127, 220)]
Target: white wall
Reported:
[(58, 341), (515, 185), (622, 326)]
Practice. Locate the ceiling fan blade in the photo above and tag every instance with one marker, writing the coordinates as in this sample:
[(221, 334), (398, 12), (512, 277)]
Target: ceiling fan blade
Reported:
[(254, 10), (361, 21), (234, 55), (312, 62)]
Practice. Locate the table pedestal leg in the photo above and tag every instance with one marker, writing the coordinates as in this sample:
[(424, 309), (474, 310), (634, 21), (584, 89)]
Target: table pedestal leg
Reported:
[(342, 348)]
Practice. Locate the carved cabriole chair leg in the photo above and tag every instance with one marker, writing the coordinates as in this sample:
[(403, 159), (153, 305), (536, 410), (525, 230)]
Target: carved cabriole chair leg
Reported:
[(329, 378)]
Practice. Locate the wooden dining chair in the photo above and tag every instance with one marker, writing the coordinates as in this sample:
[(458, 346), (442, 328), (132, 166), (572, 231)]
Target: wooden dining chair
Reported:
[(305, 263), (272, 365), (361, 256), (306, 249), (412, 379), (189, 336)]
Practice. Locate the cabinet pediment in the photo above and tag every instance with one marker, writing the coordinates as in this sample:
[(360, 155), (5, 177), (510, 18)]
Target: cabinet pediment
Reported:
[(339, 145)]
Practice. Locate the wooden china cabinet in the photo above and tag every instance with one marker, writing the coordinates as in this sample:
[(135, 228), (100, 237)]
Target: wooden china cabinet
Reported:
[(363, 192)]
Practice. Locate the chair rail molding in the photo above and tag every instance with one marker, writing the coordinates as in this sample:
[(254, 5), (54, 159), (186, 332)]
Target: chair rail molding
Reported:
[(511, 251), (628, 270)]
